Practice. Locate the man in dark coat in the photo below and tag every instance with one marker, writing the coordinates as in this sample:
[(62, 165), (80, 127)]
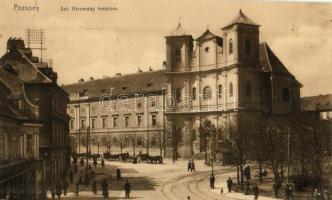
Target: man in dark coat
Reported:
[(104, 187), (229, 184), (95, 162), (127, 188), (58, 189), (256, 192), (212, 180), (86, 179), (94, 187), (77, 188), (65, 186), (71, 176), (82, 162), (102, 163), (189, 168), (193, 166)]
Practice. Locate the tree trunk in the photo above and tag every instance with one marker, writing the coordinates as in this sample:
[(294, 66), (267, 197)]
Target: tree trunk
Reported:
[(260, 172), (238, 173), (98, 147)]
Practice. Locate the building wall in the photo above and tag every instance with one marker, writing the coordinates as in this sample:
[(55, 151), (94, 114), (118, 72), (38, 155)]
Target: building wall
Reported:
[(87, 112)]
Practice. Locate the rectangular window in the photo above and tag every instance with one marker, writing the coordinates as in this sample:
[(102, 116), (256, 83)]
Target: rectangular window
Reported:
[(82, 123), (154, 120), (139, 104), (114, 122), (93, 123), (139, 120), (72, 124), (126, 121), (104, 122), (194, 93)]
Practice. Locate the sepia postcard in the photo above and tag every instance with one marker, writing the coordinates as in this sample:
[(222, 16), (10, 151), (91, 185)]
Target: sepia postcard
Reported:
[(166, 99)]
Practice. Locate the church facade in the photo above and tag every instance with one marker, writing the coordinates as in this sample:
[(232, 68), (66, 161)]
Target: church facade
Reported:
[(217, 79)]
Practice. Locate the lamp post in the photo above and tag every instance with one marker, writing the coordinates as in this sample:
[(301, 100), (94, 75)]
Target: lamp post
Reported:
[(87, 145)]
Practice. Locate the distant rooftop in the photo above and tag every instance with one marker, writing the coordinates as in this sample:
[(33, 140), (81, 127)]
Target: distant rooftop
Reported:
[(317, 103)]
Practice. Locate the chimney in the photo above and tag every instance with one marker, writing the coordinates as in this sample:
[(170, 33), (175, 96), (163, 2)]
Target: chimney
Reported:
[(164, 64), (150, 69)]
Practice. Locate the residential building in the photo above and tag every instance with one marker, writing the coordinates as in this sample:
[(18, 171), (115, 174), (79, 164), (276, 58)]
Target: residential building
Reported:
[(40, 82)]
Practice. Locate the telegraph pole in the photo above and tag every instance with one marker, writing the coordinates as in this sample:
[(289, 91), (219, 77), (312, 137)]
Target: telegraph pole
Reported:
[(288, 153)]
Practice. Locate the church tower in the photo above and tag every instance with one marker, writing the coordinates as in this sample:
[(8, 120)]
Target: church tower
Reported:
[(178, 50), (241, 38)]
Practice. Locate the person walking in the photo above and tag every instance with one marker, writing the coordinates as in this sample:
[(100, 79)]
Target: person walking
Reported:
[(58, 189), (82, 162), (77, 188), (86, 179), (325, 195), (189, 166), (256, 192), (102, 163), (193, 166), (65, 187), (94, 187), (95, 162), (212, 180), (53, 193), (317, 195), (104, 187), (229, 184), (75, 169), (290, 191), (71, 176), (127, 188)]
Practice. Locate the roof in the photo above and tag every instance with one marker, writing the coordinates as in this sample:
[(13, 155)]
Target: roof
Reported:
[(11, 81), (207, 35), (241, 19), (270, 62), (317, 103), (138, 83), (27, 71), (178, 31)]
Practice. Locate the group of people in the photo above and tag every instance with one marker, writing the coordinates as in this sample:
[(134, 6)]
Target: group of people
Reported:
[(191, 166), (317, 195)]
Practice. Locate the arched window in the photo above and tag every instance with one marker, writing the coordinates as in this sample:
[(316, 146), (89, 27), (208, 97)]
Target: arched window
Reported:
[(230, 89), (207, 92), (248, 89), (285, 94), (247, 46), (178, 94), (230, 46), (194, 93), (219, 91)]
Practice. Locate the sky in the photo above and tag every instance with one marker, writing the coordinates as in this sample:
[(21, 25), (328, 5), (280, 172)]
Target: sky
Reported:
[(95, 44)]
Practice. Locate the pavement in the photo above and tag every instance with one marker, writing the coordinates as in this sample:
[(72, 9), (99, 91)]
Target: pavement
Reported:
[(168, 181)]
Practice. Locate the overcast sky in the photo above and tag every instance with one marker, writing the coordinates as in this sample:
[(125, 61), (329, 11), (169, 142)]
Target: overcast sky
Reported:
[(84, 44)]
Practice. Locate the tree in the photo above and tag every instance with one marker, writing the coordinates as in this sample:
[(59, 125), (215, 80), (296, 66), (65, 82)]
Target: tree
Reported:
[(161, 139), (96, 140), (122, 140), (311, 143), (106, 140), (238, 134), (132, 138)]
